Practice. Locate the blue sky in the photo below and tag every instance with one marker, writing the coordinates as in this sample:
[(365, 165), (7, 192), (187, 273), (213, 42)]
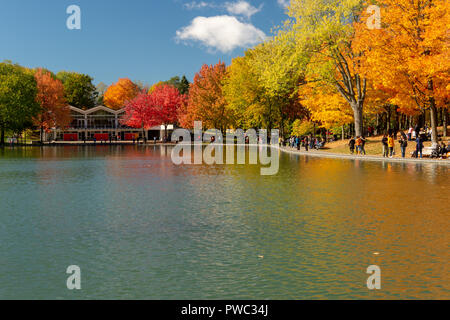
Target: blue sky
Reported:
[(146, 40)]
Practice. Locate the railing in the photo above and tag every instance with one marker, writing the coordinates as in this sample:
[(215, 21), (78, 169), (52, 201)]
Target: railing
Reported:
[(82, 127)]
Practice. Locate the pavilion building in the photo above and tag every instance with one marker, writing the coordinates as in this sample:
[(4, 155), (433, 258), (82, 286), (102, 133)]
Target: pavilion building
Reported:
[(102, 123)]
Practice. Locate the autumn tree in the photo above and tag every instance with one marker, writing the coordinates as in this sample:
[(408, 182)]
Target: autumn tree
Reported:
[(206, 100), (50, 96), (166, 100), (159, 108), (408, 55), (323, 31), (138, 112), (118, 94), (17, 98), (326, 105), (280, 72), (79, 90), (244, 94), (302, 127)]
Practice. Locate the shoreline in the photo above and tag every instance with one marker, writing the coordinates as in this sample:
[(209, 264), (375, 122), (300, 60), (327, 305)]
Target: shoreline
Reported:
[(322, 154), (315, 153)]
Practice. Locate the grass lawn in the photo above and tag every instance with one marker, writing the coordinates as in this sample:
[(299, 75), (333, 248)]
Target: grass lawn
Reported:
[(374, 147)]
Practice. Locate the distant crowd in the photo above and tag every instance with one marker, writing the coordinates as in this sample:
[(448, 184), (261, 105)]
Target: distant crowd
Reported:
[(357, 145), (305, 142), (414, 135)]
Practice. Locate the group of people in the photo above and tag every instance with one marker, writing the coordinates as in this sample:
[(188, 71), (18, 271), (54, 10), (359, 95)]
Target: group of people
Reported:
[(413, 133), (307, 142), (443, 149), (388, 143), (359, 143)]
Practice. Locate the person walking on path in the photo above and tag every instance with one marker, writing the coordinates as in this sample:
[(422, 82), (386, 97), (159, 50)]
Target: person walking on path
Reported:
[(358, 145), (384, 142), (403, 144), (417, 130), (391, 144), (419, 147), (306, 142), (363, 145), (351, 144)]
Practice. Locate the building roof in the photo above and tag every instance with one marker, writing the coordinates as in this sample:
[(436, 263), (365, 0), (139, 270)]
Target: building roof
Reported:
[(113, 112), (98, 108)]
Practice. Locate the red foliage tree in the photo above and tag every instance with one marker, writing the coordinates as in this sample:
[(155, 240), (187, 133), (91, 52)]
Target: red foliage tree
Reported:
[(166, 101), (160, 107), (138, 112)]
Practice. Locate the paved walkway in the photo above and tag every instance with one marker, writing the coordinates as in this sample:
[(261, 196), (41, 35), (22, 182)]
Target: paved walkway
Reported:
[(324, 154)]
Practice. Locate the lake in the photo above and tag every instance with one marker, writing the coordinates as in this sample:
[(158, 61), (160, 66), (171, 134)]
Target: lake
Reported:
[(140, 227)]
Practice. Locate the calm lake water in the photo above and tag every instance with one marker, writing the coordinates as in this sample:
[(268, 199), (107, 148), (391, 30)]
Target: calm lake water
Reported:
[(140, 227)]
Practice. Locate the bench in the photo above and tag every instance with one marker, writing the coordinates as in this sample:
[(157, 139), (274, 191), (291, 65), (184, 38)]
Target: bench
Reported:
[(427, 151)]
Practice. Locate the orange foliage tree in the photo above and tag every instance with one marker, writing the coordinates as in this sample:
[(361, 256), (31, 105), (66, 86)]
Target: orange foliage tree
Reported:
[(408, 57), (206, 101), (55, 111), (118, 94)]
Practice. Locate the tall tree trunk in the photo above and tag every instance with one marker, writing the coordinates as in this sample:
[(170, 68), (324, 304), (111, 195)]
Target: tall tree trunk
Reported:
[(2, 138), (343, 132), (358, 114), (433, 115), (378, 125), (388, 119), (444, 121)]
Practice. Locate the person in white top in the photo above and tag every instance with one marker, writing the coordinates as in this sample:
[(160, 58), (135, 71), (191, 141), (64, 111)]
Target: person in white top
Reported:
[(410, 131)]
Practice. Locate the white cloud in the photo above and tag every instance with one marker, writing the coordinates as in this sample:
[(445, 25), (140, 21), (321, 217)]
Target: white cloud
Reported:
[(196, 5), (284, 3), (223, 33), (242, 8)]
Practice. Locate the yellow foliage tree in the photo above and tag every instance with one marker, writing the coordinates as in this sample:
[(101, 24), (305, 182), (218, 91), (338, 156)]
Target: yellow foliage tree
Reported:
[(302, 128), (325, 104), (244, 93), (322, 31)]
